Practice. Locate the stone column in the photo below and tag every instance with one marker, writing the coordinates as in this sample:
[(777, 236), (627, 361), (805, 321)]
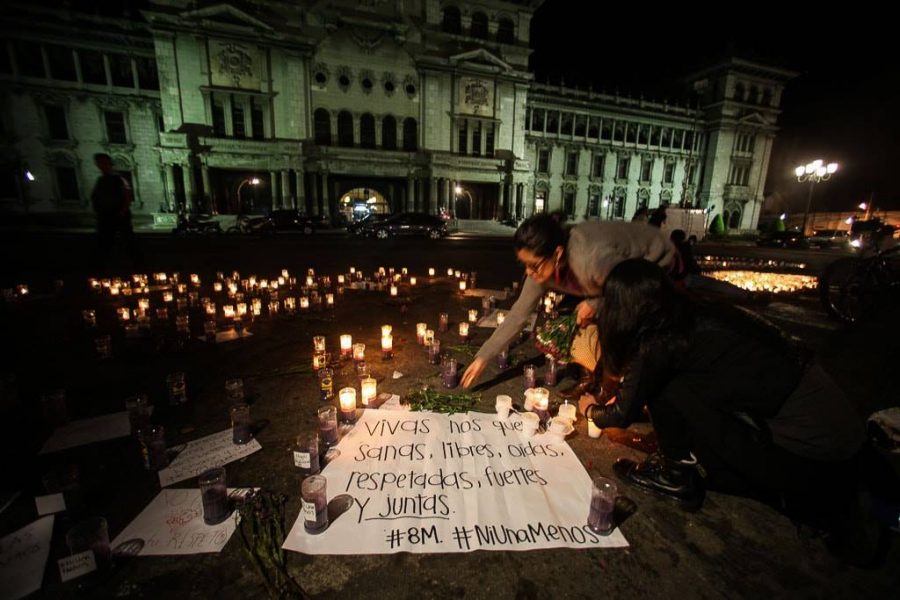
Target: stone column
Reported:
[(314, 205), (285, 189), (326, 196), (410, 193), (273, 178), (206, 193), (501, 202), (300, 198), (187, 172), (171, 200)]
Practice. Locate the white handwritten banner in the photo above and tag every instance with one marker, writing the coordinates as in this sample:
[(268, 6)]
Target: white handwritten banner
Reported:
[(425, 482), (206, 453), (88, 431), (23, 557), (173, 524)]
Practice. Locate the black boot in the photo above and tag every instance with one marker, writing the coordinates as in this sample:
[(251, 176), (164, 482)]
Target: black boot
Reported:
[(676, 480), (585, 385)]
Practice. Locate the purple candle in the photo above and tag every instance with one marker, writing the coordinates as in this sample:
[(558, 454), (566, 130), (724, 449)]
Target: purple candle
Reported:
[(306, 453), (314, 504), (530, 379), (550, 377), (443, 322), (503, 359), (434, 352), (328, 425), (603, 499), (241, 426), (450, 374), (214, 495)]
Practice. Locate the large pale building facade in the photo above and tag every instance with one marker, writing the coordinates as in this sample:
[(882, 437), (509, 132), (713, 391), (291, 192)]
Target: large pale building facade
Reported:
[(335, 108)]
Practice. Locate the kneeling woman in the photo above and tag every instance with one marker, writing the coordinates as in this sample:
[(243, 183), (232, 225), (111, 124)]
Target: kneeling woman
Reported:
[(735, 407)]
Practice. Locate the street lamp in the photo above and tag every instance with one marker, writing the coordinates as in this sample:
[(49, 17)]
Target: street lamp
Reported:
[(254, 181), (459, 190), (814, 172)]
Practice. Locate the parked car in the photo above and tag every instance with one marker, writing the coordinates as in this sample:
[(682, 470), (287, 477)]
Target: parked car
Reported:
[(259, 224), (356, 228), (293, 220), (829, 238), (783, 239), (407, 224)]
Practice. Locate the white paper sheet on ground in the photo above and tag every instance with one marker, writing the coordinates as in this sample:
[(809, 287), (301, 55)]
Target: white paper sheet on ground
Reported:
[(52, 503), (394, 404), (173, 524), (229, 335), (23, 557), (199, 455), (428, 482), (486, 293), (88, 431), (491, 321)]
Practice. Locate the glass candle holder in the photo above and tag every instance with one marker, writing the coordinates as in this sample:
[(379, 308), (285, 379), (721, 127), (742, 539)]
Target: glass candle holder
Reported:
[(153, 447), (347, 399), (387, 347), (306, 453), (328, 425), (386, 330), (603, 502), (318, 361), (552, 372), (503, 359), (421, 328), (434, 352), (501, 316), (234, 390), (368, 390), (346, 345), (529, 377), (359, 351), (314, 504), (326, 384), (214, 495), (431, 271), (319, 343), (473, 315), (450, 375), (241, 425), (443, 322), (429, 338), (464, 331)]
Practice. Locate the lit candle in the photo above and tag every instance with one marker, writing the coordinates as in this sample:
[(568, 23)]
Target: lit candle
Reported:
[(431, 271), (318, 360), (541, 398), (501, 316), (386, 330), (429, 338), (114, 290), (211, 309), (568, 411), (404, 271), (124, 313), (420, 332), (160, 277), (393, 290), (381, 271), (449, 272), (263, 284), (443, 322), (228, 311), (359, 351), (290, 304), (462, 285), (319, 343), (464, 330), (144, 303), (387, 347), (281, 281), (473, 315), (457, 274), (274, 307), (217, 286), (311, 272), (284, 273), (329, 300), (181, 288), (255, 307), (412, 281), (347, 397), (352, 270), (241, 309), (346, 345), (304, 302), (232, 288), (340, 279), (368, 390), (309, 282)]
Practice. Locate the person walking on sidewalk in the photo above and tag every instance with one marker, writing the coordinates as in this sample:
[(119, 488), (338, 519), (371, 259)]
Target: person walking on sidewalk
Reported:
[(111, 201)]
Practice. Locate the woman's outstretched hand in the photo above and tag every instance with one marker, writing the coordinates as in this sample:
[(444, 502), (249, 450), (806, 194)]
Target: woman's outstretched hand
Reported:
[(584, 314), (473, 372)]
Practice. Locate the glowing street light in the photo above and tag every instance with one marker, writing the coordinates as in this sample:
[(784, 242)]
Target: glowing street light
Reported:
[(254, 181), (814, 172)]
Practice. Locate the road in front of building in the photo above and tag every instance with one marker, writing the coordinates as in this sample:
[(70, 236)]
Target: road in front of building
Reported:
[(734, 547)]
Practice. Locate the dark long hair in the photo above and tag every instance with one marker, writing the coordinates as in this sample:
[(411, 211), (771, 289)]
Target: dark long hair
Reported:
[(541, 234), (641, 311)]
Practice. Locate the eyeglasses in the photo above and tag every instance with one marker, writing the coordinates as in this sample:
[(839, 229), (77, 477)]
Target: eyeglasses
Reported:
[(536, 266)]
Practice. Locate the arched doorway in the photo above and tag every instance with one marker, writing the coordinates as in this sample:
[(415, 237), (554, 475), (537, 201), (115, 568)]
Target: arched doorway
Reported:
[(361, 202)]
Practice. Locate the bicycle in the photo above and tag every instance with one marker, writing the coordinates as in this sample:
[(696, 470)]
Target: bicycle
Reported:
[(852, 288)]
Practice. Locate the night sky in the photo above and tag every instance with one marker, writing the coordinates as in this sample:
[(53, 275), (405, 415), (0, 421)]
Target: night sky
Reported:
[(844, 106)]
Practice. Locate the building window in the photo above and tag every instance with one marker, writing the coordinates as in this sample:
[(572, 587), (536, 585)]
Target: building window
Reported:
[(115, 127), (218, 118), (646, 169), (664, 137), (566, 127), (745, 143), (451, 23), (67, 184), (643, 198), (618, 203), (654, 135), (463, 137), (410, 135), (766, 97), (479, 27), (669, 172), (322, 127), (489, 140), (389, 133), (367, 131), (148, 77), (572, 164), (29, 59), (62, 63), (476, 138), (677, 138), (238, 126), (257, 119), (345, 129), (543, 160), (642, 134), (630, 132), (92, 69), (689, 172), (537, 119), (553, 122), (580, 125), (160, 123), (593, 128), (540, 199), (740, 174), (120, 69), (619, 132), (622, 167), (569, 202), (594, 205), (57, 128), (605, 130), (597, 166), (506, 33)]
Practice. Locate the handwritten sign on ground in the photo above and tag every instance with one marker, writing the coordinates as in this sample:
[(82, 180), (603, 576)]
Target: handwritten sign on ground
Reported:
[(23, 556), (425, 482), (88, 431), (77, 565), (490, 321), (173, 524), (199, 455)]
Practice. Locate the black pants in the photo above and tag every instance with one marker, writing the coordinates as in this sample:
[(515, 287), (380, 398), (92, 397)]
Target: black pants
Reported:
[(110, 227)]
